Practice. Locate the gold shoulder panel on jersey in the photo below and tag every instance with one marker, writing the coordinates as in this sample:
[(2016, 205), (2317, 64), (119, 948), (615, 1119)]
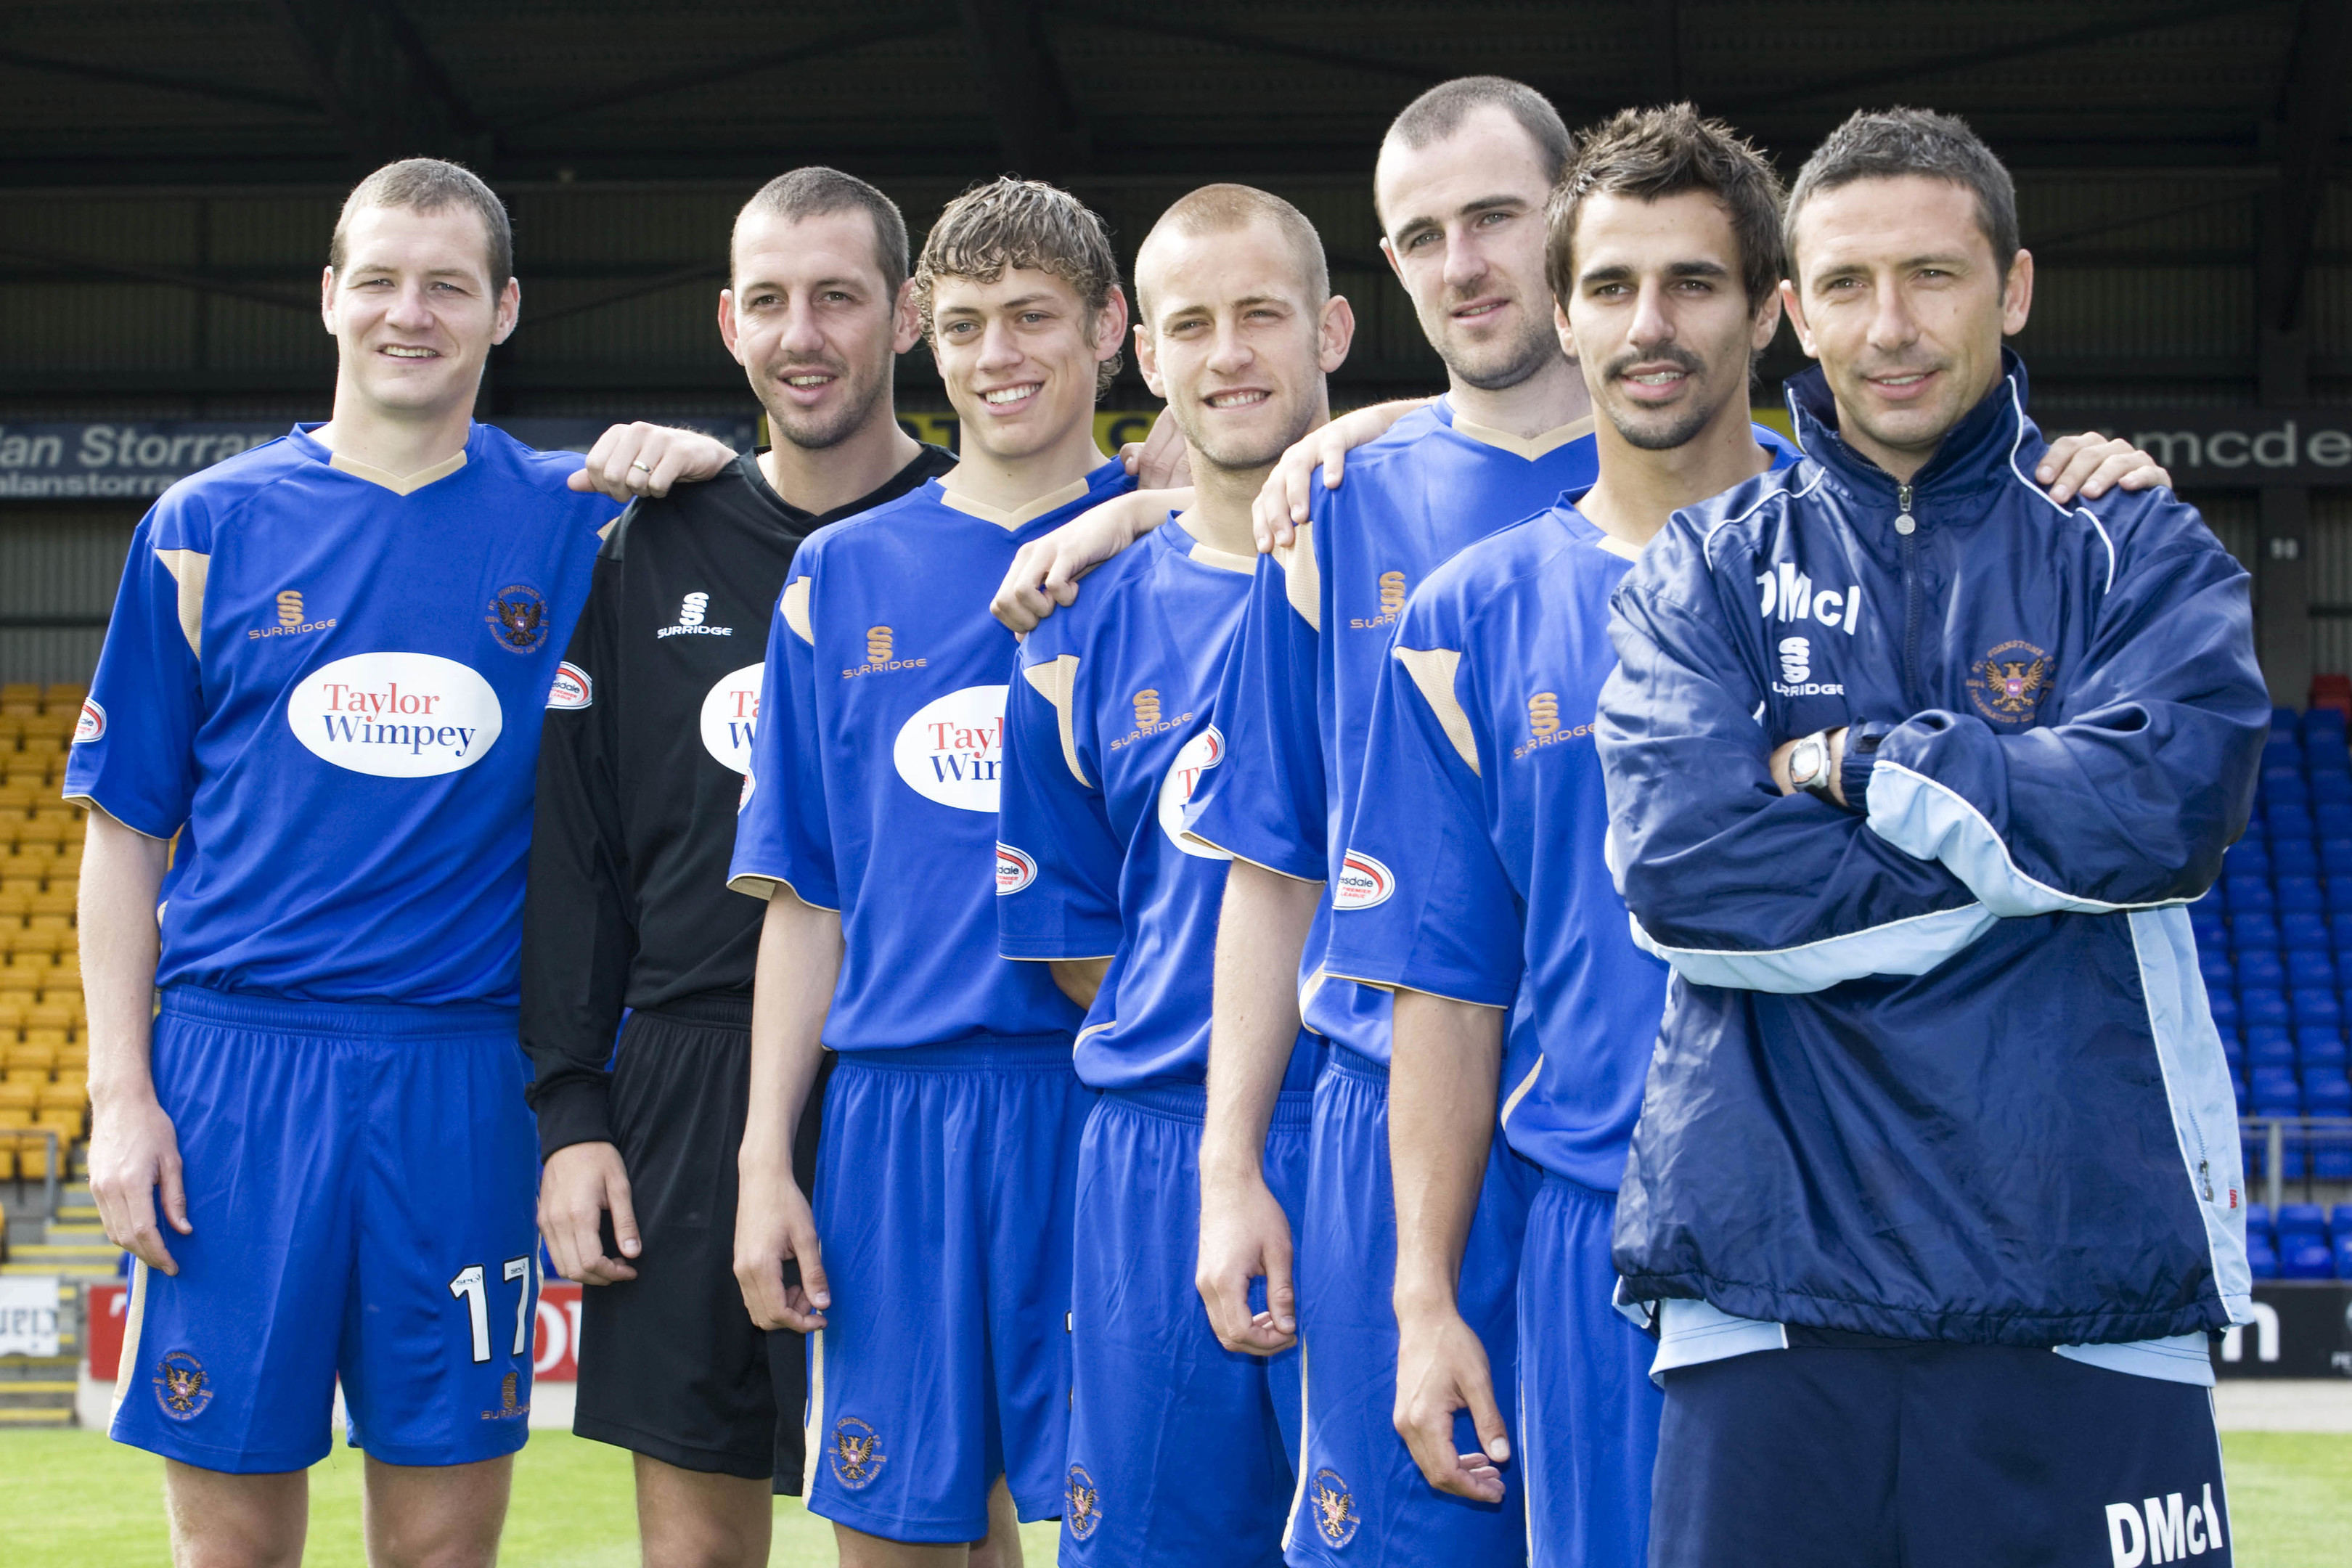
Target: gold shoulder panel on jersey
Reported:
[(1224, 560), (1057, 682), (398, 484), (189, 568), (1433, 671), (1016, 517), (1301, 578), (796, 610)]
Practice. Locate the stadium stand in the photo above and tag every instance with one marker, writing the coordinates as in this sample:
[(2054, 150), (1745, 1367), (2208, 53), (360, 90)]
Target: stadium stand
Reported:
[(2274, 944), (44, 1057)]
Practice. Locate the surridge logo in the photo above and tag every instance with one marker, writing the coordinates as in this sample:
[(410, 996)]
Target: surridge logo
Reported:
[(1796, 660), (1146, 708), (952, 749), (396, 715), (881, 655), (691, 612), (1392, 591), (1543, 713), (730, 716), (507, 1409), (289, 619), (2158, 1529)]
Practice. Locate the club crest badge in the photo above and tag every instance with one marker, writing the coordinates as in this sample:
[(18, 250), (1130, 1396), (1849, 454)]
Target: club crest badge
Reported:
[(1081, 1510), (1335, 1507), (856, 1455), (518, 619), (182, 1386), (2008, 683)]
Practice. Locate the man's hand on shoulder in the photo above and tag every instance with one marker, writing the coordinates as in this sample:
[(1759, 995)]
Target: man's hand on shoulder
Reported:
[(641, 459), (1282, 502), (2090, 465), (1046, 571)]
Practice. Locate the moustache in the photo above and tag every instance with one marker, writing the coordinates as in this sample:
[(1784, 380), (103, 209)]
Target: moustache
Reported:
[(1681, 358)]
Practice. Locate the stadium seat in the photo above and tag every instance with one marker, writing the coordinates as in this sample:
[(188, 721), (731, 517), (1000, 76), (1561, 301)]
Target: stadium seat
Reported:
[(2269, 1046), (2248, 895), (2290, 893), (2306, 968), (2224, 1006), (2300, 929), (2284, 785), (2320, 1047), (2292, 858), (2263, 1004), (2214, 965), (2331, 793), (2260, 966), (2311, 1005), (2284, 745), (2332, 1161), (2249, 857), (2285, 817), (2302, 1256)]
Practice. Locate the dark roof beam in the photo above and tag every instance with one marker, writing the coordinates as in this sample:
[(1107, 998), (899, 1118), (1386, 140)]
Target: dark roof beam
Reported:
[(123, 75), (1037, 122), (383, 88), (2314, 111)]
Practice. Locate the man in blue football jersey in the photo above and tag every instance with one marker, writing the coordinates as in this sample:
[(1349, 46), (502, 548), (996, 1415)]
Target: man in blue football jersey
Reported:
[(939, 1356), (1107, 731), (327, 665), (1484, 811)]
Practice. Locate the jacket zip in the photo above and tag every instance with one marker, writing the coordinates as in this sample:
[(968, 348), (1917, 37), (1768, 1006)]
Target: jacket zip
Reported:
[(1906, 530)]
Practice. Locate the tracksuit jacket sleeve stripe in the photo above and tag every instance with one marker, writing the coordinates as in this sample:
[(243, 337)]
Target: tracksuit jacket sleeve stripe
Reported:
[(1728, 880), (2127, 797)]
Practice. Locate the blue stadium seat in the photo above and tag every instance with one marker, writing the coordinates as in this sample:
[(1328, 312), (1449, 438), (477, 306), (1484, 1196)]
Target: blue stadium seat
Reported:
[(2290, 857), (2321, 721), (2214, 964), (2261, 1258), (2224, 1006), (2249, 857), (2332, 1161), (2234, 1051), (2314, 1004), (2300, 930), (2251, 929), (2258, 1217), (2337, 887), (2244, 1095), (2283, 786), (2287, 819), (2268, 1045), (2340, 1220), (2305, 968), (2298, 1219), (2331, 793), (2289, 720), (2248, 894), (2297, 893), (2320, 1048), (2326, 1091), (2343, 1251), (2260, 1005), (2276, 1085), (2284, 749), (2302, 1255), (2259, 966)]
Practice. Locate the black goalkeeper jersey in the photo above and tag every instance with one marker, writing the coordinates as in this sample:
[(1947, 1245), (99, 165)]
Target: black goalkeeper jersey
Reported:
[(646, 740)]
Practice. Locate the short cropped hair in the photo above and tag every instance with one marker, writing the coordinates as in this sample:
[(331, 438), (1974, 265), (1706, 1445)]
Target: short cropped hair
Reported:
[(1027, 224), (1225, 208), (1649, 153), (425, 186), (1439, 113), (818, 192), (1886, 143)]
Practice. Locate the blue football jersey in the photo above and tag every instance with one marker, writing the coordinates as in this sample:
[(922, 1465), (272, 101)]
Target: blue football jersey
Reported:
[(1481, 831), (1107, 733), (332, 678), (1298, 689), (876, 771)]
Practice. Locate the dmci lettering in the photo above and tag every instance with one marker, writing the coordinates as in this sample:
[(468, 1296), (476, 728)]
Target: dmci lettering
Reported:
[(730, 714), (2159, 1530), (396, 715), (952, 749), (1790, 594)]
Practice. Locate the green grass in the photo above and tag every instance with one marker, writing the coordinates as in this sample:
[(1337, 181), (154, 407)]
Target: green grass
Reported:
[(77, 1499), (74, 1500)]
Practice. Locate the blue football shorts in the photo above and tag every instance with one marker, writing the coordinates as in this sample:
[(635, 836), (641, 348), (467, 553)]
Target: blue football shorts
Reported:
[(1587, 1411), (1360, 1499), (947, 1177), (363, 1182), (1179, 1450)]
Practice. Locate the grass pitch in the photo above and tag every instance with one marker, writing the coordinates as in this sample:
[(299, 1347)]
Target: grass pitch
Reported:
[(76, 1499)]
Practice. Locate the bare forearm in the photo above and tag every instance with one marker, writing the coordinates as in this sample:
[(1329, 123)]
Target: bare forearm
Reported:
[(1254, 1015), (800, 961), (122, 876), (1445, 1067), (1080, 979)]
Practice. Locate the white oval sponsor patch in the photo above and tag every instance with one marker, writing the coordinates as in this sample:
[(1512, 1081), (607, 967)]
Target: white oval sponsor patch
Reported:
[(91, 724), (572, 688), (1363, 882), (1201, 753), (1016, 869), (952, 750), (396, 715), (729, 711)]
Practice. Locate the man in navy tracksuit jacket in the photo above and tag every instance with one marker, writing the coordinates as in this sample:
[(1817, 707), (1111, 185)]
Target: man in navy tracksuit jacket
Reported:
[(1910, 770)]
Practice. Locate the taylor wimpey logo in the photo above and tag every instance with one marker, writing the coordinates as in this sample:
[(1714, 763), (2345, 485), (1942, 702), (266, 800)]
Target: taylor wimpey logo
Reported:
[(882, 655), (291, 621), (952, 749), (1193, 759), (691, 612), (1391, 587), (396, 715), (730, 716)]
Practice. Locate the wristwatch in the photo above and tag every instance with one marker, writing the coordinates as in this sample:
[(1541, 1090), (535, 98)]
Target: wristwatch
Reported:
[(1809, 769)]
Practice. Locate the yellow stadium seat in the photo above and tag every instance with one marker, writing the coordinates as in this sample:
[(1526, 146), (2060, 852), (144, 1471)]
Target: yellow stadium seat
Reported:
[(42, 855), (16, 691), (18, 1097), (68, 694), (71, 1089), (44, 1036), (64, 1121), (48, 1015), (75, 1060), (50, 744), (66, 975), (32, 1159), (19, 1055), (38, 1077), (37, 964), (20, 884)]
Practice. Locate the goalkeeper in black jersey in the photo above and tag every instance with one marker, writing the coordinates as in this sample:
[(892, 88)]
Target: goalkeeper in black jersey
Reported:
[(648, 740)]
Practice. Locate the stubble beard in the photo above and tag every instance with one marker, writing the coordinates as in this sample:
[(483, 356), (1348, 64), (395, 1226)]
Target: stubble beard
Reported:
[(818, 430)]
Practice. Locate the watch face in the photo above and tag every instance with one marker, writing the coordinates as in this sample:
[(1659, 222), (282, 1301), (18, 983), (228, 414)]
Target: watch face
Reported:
[(1805, 763)]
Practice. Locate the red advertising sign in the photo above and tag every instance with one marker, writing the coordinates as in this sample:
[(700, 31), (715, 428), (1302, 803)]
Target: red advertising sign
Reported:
[(555, 1349)]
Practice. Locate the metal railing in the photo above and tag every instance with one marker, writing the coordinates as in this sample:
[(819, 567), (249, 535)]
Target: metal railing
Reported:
[(2269, 1140)]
